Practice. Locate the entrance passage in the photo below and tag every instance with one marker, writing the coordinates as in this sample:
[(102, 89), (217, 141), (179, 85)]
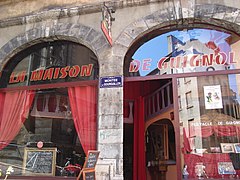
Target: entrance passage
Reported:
[(160, 150), (149, 138)]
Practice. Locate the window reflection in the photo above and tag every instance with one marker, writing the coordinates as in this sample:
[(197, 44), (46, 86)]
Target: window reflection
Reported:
[(211, 128), (181, 51)]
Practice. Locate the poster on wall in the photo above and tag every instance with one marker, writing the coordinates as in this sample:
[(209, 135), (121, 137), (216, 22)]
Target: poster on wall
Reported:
[(213, 97)]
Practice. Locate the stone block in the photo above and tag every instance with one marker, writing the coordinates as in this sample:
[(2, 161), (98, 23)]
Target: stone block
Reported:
[(110, 136), (136, 28), (2, 56), (112, 121), (231, 17), (111, 69), (7, 48), (92, 36), (121, 47), (22, 39), (99, 42), (34, 34), (123, 40), (110, 101), (83, 31), (73, 31), (15, 43), (111, 151), (151, 20)]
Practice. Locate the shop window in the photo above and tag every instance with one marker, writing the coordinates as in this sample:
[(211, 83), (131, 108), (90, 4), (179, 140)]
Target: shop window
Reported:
[(214, 132), (50, 122), (49, 129)]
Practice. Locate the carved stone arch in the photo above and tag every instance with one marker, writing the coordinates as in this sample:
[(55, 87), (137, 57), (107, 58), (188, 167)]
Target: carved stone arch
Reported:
[(78, 33), (172, 18)]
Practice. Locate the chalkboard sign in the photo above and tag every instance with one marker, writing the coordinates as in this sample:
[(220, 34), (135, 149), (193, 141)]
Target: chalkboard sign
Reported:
[(39, 161), (89, 175), (89, 166), (91, 160)]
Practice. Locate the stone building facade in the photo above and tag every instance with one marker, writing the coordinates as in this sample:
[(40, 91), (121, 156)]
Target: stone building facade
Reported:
[(27, 23)]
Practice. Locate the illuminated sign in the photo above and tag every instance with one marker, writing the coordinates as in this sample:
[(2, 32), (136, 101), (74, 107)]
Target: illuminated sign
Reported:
[(53, 73)]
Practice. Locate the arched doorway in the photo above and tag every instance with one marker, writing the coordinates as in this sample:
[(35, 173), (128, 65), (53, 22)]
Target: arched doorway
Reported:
[(160, 150)]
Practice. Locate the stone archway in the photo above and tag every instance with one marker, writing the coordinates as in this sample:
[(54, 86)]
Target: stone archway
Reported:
[(78, 33), (175, 17), (145, 28)]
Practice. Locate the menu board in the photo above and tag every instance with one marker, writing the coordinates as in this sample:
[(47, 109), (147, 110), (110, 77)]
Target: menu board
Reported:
[(39, 161), (89, 175), (88, 170), (91, 160)]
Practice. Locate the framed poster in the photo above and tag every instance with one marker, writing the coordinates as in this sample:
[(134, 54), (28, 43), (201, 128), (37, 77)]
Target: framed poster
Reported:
[(227, 148), (226, 168), (39, 161), (213, 97), (215, 149), (237, 147)]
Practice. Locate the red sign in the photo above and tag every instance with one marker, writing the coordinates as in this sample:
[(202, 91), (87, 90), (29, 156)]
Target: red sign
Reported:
[(107, 31), (39, 144), (194, 60), (106, 23), (53, 73)]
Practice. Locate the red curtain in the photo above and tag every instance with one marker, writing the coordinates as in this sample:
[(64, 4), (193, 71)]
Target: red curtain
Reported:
[(83, 106), (139, 162), (186, 144), (206, 131), (13, 112), (227, 130)]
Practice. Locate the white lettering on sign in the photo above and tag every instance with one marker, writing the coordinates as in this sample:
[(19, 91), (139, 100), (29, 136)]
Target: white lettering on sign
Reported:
[(115, 81), (216, 123)]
